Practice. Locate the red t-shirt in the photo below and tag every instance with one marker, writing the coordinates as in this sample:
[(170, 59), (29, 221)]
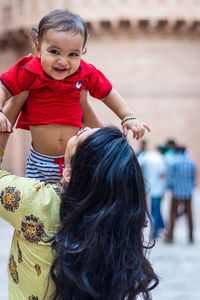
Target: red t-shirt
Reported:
[(52, 101)]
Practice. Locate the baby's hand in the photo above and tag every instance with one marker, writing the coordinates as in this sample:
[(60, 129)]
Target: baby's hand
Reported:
[(136, 126), (5, 125)]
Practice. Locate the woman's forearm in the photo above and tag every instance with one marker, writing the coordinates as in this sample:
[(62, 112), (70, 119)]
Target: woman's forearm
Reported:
[(4, 95)]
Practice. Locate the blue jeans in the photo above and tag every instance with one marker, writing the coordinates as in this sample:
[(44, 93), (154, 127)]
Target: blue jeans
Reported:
[(156, 215)]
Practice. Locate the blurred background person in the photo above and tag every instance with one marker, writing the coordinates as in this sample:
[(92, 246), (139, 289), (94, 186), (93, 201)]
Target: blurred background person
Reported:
[(142, 147), (170, 150), (181, 178), (154, 172)]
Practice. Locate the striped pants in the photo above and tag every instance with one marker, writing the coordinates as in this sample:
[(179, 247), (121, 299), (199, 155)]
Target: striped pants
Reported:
[(44, 167)]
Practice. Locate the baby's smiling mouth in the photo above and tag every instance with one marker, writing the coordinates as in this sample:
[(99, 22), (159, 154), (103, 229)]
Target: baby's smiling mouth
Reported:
[(60, 70)]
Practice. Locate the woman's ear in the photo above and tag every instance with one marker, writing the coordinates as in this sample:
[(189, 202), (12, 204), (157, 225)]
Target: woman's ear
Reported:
[(67, 173), (37, 48)]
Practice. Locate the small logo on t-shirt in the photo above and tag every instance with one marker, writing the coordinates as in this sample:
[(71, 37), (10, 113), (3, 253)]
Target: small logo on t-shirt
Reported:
[(78, 85)]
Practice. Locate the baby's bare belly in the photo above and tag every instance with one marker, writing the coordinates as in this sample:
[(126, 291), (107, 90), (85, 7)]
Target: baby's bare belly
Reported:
[(51, 139)]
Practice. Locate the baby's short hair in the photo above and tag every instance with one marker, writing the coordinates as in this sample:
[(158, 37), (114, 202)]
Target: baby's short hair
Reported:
[(61, 20)]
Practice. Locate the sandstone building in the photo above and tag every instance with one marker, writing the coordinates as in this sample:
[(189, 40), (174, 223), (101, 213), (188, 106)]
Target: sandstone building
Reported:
[(150, 49)]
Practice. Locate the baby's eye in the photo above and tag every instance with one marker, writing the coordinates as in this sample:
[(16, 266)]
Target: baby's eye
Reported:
[(73, 54), (53, 51)]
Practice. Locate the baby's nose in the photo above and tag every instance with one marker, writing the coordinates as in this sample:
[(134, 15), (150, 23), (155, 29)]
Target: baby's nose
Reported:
[(64, 61)]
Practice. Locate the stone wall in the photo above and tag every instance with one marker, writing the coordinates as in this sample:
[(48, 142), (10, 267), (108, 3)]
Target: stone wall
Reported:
[(16, 16)]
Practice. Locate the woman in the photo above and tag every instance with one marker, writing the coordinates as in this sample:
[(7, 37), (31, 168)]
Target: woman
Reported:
[(98, 247)]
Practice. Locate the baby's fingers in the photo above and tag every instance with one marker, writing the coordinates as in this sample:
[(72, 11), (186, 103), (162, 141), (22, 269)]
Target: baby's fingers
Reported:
[(147, 127), (125, 130), (140, 133), (141, 127), (136, 126)]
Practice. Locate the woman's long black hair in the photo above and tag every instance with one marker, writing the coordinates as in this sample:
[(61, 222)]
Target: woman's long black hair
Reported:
[(99, 246)]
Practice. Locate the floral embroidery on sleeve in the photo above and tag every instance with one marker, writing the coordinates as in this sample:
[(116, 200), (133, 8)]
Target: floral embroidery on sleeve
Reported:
[(3, 172), (33, 229), (37, 269), (13, 269), (10, 198), (18, 232), (38, 187), (20, 259)]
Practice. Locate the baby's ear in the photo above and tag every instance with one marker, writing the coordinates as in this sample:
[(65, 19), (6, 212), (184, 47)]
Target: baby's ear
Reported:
[(37, 48)]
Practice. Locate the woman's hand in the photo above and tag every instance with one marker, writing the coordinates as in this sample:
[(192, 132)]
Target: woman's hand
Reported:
[(11, 112), (5, 125)]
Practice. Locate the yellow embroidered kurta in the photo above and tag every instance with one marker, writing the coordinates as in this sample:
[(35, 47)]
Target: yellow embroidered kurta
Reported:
[(32, 208)]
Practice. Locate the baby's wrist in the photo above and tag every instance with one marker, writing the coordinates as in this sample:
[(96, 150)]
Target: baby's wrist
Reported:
[(127, 118)]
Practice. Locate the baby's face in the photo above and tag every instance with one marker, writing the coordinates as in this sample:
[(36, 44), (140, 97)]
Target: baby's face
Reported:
[(60, 53)]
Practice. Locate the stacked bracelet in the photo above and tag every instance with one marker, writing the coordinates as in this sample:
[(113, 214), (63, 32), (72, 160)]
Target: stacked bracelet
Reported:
[(128, 118)]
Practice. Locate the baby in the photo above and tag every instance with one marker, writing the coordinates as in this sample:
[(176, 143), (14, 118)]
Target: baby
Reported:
[(54, 78)]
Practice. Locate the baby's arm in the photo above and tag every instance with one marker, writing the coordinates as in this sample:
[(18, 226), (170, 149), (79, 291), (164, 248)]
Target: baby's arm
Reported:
[(117, 104), (5, 125), (89, 118)]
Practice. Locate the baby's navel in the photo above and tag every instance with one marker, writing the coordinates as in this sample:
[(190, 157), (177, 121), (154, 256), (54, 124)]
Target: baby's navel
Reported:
[(61, 140)]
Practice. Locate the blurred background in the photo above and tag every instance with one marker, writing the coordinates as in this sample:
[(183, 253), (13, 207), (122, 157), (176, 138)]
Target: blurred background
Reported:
[(150, 50)]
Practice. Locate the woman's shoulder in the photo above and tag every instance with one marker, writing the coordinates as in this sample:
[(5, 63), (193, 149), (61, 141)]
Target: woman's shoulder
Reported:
[(25, 200)]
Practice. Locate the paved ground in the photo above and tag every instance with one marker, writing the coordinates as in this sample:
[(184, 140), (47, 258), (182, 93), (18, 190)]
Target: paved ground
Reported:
[(178, 265)]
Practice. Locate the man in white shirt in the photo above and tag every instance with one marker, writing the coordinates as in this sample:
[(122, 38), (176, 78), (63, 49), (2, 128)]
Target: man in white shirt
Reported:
[(154, 170)]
